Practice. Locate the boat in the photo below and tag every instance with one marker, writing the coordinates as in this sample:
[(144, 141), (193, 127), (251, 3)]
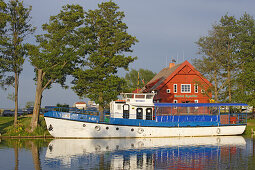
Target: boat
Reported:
[(137, 116)]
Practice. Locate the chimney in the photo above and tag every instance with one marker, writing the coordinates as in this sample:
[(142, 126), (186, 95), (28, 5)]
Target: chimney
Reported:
[(171, 65)]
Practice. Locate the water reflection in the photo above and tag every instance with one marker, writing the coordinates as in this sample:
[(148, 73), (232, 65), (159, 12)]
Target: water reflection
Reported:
[(149, 153), (229, 152), (14, 151)]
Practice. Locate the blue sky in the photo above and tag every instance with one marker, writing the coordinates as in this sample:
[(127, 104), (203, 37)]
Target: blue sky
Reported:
[(165, 29)]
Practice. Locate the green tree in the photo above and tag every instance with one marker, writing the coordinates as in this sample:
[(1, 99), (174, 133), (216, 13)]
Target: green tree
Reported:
[(14, 29), (110, 42), (58, 52), (228, 46), (29, 104), (210, 47), (245, 78), (138, 79), (3, 22), (229, 51)]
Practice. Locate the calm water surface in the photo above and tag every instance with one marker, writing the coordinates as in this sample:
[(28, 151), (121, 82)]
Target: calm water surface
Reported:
[(234, 152)]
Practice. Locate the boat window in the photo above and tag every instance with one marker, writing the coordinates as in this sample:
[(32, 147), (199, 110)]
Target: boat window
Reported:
[(126, 111), (140, 96), (149, 96), (130, 95), (139, 113), (149, 114)]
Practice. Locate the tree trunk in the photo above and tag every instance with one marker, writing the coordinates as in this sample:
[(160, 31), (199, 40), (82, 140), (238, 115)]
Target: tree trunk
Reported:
[(101, 109), (215, 86), (38, 98), (16, 152), (35, 155), (229, 84), (16, 98)]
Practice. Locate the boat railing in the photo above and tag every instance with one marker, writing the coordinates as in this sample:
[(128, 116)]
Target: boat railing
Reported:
[(95, 113), (233, 118), (73, 110), (216, 113)]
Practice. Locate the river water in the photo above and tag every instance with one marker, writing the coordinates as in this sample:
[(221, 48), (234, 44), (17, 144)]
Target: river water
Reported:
[(228, 152)]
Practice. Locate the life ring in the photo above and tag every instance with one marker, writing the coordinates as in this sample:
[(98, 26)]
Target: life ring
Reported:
[(98, 148), (218, 140), (218, 131), (50, 128), (97, 128), (140, 130)]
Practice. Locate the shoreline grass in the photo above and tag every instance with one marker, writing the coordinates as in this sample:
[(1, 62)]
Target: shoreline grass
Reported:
[(23, 127)]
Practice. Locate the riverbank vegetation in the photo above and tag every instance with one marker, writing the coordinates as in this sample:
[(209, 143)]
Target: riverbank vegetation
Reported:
[(250, 127), (23, 127)]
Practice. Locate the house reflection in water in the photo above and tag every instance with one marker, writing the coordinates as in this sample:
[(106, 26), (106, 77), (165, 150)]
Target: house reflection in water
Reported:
[(155, 153)]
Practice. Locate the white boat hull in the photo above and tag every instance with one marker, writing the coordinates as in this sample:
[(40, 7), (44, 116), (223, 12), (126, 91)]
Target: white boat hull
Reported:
[(62, 128)]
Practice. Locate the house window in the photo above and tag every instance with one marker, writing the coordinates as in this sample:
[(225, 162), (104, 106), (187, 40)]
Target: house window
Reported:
[(185, 88), (202, 91), (168, 91), (196, 88), (175, 88), (154, 91)]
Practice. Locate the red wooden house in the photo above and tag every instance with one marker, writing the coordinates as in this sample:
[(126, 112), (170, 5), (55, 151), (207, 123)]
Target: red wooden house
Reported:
[(180, 83)]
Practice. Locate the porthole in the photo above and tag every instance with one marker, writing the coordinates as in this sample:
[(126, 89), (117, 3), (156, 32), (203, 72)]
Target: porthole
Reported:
[(84, 125), (218, 131), (107, 128), (140, 130), (117, 128), (97, 128), (132, 129)]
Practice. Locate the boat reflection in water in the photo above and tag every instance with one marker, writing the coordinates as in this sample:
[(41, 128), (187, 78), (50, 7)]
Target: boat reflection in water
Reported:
[(145, 153)]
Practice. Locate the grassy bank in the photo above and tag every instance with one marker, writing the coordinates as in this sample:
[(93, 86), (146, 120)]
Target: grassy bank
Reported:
[(250, 125), (23, 127)]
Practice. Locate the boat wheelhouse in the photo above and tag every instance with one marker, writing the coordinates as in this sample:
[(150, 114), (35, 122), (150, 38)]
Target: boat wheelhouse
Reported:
[(135, 115)]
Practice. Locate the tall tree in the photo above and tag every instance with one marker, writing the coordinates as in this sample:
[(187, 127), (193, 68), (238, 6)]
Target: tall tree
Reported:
[(110, 42), (210, 63), (138, 79), (58, 52), (16, 29), (228, 38), (3, 22), (245, 78), (235, 51)]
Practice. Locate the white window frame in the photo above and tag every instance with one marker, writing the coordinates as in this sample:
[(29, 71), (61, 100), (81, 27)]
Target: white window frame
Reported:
[(175, 101), (196, 88), (175, 88), (168, 91), (202, 91), (196, 101), (182, 90)]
